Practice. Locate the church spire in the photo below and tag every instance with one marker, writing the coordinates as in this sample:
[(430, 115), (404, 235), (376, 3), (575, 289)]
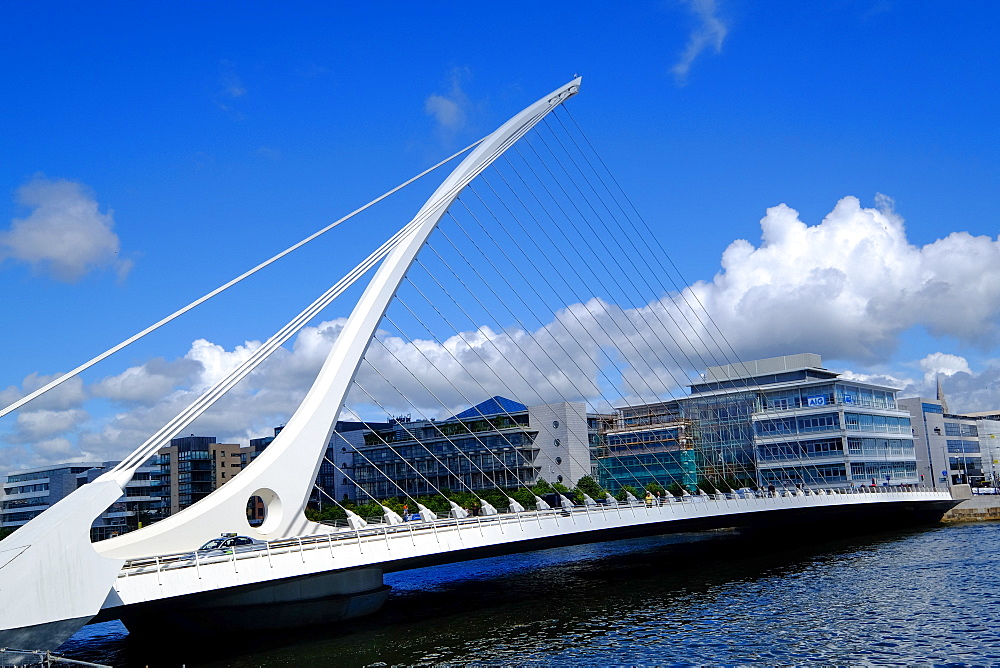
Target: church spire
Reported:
[(940, 395)]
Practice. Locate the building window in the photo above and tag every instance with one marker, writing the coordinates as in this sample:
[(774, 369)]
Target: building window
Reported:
[(818, 422), (776, 426), (962, 446), (877, 423), (960, 429)]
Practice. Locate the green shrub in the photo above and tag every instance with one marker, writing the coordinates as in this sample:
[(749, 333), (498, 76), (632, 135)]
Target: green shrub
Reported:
[(542, 487), (623, 493), (656, 488), (587, 485)]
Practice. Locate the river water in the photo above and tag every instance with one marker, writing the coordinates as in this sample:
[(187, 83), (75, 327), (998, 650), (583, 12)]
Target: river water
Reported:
[(917, 597)]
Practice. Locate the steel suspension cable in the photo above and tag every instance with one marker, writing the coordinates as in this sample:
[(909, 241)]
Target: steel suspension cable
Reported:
[(503, 278), (681, 292), (214, 393), (640, 312), (413, 437), (132, 339), (455, 387), (461, 335), (567, 262)]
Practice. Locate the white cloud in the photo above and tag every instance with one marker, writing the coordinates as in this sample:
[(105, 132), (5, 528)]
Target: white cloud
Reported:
[(847, 288), (55, 450), (231, 89), (944, 364), (65, 235), (710, 33), (450, 110), (850, 286), (437, 379), (969, 392), (68, 395), (908, 386), (36, 425), (149, 382), (216, 362), (966, 390), (445, 111)]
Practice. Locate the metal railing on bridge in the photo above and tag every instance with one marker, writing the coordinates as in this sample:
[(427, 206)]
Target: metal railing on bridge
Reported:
[(23, 658), (378, 529)]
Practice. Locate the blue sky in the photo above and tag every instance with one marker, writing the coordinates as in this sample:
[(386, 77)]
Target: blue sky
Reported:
[(182, 143)]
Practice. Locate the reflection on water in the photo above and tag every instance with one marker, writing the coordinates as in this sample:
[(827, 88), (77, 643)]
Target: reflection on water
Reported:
[(928, 597)]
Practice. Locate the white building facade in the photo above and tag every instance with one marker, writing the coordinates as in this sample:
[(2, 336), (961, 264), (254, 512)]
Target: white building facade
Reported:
[(949, 451), (802, 425)]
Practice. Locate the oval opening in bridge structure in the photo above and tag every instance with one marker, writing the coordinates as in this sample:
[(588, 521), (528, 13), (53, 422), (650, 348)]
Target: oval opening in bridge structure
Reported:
[(263, 510)]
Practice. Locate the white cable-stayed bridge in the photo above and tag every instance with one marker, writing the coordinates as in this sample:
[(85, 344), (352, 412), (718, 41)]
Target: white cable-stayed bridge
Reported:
[(526, 274)]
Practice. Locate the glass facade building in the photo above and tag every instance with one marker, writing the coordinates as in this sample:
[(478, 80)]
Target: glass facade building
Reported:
[(28, 493), (636, 457), (788, 422), (497, 443), (192, 467)]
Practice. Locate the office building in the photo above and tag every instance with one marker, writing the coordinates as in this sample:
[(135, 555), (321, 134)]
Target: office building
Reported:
[(647, 444), (953, 449), (138, 507), (787, 422), (192, 467), (28, 493), (988, 425), (497, 443)]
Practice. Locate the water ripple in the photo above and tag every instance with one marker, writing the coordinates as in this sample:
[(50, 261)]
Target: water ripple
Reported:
[(921, 598)]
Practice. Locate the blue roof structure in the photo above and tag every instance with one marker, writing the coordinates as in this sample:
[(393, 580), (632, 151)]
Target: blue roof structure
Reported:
[(493, 406)]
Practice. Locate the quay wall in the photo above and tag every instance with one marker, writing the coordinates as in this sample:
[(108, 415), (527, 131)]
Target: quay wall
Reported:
[(976, 509), (980, 508)]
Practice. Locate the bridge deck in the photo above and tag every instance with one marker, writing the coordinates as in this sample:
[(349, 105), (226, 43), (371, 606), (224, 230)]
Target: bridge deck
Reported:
[(391, 547)]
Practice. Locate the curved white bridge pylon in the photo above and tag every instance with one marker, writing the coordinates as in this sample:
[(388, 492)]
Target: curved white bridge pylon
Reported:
[(59, 580)]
